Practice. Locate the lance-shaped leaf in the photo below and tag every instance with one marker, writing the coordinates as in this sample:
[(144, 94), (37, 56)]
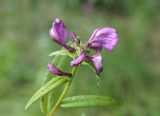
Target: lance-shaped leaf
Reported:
[(48, 100), (89, 101), (62, 53), (44, 101), (54, 83)]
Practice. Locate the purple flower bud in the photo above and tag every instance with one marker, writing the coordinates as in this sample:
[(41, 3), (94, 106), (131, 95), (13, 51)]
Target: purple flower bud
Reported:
[(54, 70), (79, 59), (97, 62), (74, 38), (58, 34), (106, 38)]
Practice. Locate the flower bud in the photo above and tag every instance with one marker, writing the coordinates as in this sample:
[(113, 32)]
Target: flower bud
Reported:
[(58, 34), (74, 38), (54, 70)]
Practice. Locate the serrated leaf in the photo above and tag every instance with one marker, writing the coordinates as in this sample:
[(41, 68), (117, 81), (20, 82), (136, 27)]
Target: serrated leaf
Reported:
[(52, 99), (51, 85), (44, 103), (49, 99), (62, 52), (89, 101), (85, 97), (88, 104), (44, 100)]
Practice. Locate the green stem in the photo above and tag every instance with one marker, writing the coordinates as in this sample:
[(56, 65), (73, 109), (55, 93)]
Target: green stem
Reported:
[(62, 94)]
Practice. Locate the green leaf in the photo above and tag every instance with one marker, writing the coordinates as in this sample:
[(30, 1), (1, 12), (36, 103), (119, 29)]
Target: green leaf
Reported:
[(49, 86), (48, 100), (62, 52), (44, 103), (44, 100), (52, 99), (89, 101), (86, 97)]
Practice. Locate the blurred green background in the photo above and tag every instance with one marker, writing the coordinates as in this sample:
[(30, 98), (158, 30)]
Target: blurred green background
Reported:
[(131, 73)]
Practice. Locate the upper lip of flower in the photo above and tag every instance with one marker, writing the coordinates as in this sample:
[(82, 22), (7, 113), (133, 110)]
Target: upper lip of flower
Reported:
[(106, 38)]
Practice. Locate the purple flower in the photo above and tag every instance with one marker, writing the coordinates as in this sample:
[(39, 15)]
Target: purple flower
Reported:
[(79, 59), (102, 38), (106, 38), (54, 70), (58, 34), (97, 62)]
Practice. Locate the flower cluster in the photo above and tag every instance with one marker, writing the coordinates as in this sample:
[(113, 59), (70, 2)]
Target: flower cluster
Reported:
[(102, 38)]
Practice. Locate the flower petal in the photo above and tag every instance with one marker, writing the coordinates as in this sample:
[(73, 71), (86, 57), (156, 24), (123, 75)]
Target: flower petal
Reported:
[(54, 70), (104, 37), (95, 45), (94, 34), (97, 61), (79, 59)]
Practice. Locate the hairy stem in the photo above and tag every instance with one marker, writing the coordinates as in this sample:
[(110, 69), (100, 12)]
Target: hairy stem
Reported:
[(62, 94)]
